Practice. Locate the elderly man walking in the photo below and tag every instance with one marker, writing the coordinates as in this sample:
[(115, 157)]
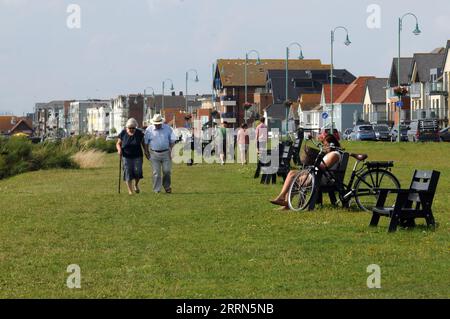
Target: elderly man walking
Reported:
[(159, 140)]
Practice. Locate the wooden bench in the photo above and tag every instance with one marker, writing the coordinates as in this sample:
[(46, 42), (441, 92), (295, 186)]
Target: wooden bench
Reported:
[(410, 204), (331, 190), (268, 171), (286, 152)]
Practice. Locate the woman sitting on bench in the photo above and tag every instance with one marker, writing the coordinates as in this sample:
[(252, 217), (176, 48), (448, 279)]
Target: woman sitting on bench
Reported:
[(331, 160)]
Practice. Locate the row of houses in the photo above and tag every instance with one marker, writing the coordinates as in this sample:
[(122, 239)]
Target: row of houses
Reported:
[(106, 117), (243, 90), (368, 99)]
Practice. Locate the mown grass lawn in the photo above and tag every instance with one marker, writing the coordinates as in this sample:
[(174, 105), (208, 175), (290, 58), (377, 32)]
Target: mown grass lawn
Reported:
[(217, 236)]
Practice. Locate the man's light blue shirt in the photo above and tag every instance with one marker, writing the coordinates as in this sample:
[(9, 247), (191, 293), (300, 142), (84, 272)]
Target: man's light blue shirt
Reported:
[(160, 139)]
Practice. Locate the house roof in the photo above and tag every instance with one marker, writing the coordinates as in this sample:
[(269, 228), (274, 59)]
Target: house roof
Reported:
[(22, 126), (338, 89), (377, 90), (355, 92), (277, 81), (309, 101), (446, 54), (53, 104), (424, 62), (232, 71), (8, 123), (405, 71)]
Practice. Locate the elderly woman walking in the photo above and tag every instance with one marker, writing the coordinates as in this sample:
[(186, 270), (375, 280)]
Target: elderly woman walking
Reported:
[(130, 146)]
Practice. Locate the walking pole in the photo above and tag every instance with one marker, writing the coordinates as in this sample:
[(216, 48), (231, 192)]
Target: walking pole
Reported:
[(120, 171)]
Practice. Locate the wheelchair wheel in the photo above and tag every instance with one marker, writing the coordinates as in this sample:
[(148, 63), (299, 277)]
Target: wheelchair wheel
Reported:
[(366, 195), (301, 190)]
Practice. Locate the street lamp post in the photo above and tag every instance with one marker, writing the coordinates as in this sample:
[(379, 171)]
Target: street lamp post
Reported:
[(163, 89), (145, 103), (300, 57), (416, 32), (187, 80), (258, 61), (347, 43)]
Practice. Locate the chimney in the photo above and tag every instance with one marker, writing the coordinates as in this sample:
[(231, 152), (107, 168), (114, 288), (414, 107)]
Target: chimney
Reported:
[(181, 93), (173, 93)]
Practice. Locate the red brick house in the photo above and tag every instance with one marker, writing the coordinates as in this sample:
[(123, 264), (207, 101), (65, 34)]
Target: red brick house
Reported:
[(229, 82)]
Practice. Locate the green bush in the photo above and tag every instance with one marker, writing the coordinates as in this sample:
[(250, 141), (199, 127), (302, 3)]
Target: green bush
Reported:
[(19, 155)]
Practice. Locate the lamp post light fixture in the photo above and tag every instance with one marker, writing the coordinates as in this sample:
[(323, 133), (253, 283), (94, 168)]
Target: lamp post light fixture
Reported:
[(258, 62), (145, 113), (347, 43), (163, 89), (187, 80), (300, 57), (415, 32)]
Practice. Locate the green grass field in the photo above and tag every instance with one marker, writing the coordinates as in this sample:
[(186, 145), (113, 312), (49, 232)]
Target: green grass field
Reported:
[(217, 236)]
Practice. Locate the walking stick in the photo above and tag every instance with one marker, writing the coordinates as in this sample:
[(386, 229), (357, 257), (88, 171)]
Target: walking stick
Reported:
[(120, 171)]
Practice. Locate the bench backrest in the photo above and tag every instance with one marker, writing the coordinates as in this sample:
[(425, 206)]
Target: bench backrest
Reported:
[(425, 181), (341, 170)]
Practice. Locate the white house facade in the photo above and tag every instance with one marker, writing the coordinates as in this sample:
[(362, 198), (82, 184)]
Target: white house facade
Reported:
[(99, 120)]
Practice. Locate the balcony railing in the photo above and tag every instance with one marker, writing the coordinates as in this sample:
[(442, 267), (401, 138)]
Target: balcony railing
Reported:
[(415, 90), (393, 95), (436, 113), (228, 98), (436, 88)]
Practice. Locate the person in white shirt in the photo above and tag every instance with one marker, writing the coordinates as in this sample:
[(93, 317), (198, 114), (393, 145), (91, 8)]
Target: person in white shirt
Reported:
[(159, 141)]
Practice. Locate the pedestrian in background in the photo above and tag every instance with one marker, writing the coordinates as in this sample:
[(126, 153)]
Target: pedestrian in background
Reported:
[(243, 141)]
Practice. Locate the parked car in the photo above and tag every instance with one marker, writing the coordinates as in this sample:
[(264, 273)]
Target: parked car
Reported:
[(444, 135), (403, 134), (324, 132), (382, 132), (423, 131), (363, 133), (347, 132)]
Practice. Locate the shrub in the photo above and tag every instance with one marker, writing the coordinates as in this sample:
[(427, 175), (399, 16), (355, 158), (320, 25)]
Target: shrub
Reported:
[(19, 155)]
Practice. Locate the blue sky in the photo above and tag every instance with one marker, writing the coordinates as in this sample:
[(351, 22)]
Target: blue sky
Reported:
[(125, 46)]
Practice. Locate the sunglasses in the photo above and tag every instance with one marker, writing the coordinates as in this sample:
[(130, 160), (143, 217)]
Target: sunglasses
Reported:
[(131, 128)]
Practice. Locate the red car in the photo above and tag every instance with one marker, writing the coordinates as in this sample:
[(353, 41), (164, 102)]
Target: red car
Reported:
[(325, 132)]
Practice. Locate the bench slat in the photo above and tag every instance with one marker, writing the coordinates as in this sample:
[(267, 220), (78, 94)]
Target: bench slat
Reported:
[(423, 174)]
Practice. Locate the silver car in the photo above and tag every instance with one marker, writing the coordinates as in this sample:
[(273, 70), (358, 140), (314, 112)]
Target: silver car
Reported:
[(363, 133)]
